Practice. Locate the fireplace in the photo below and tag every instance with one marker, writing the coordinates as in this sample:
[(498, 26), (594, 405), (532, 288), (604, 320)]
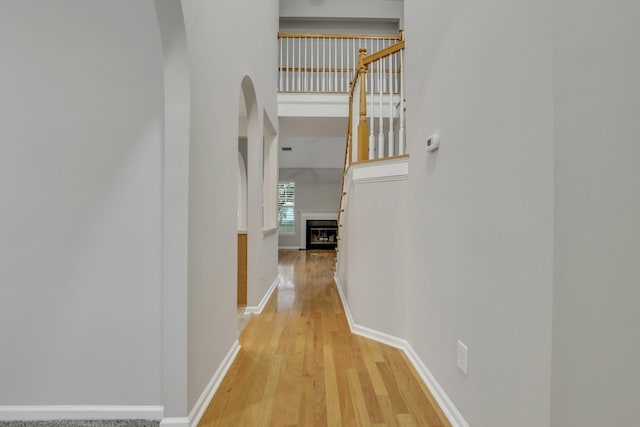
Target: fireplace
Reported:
[(322, 234)]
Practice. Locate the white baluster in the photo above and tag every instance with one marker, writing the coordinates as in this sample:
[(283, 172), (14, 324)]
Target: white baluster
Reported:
[(395, 73), (310, 69), (306, 74), (371, 72), (287, 76), (350, 47), (280, 74), (300, 65), (381, 115), (323, 64), (335, 65), (341, 65), (391, 135), (378, 71), (401, 141), (372, 138), (329, 65), (353, 59), (318, 65), (329, 80), (293, 65)]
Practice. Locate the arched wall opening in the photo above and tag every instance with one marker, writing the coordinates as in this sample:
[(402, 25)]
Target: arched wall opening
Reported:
[(248, 225)]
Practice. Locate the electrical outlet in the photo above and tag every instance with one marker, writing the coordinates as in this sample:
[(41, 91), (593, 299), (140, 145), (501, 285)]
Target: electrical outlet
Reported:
[(463, 357)]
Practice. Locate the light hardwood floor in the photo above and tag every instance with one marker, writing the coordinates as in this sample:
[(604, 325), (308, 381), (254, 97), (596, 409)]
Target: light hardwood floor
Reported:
[(301, 366)]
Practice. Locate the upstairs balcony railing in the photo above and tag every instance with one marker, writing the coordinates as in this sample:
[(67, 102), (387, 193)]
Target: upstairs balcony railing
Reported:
[(338, 63), (326, 63)]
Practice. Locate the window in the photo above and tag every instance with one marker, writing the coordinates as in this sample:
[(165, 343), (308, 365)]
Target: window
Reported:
[(287, 207)]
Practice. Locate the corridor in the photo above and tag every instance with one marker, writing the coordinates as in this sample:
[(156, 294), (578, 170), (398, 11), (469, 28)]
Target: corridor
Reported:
[(300, 365)]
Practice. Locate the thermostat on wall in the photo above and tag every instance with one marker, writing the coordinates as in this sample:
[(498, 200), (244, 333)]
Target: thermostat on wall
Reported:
[(433, 142)]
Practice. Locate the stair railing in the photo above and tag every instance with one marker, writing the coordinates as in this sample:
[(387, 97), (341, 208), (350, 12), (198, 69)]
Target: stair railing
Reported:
[(379, 82)]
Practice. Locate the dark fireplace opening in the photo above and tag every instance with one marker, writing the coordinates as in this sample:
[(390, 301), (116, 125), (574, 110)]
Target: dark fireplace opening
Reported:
[(322, 234)]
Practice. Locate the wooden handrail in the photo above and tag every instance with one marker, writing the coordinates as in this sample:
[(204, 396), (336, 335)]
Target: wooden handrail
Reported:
[(383, 53), (341, 36)]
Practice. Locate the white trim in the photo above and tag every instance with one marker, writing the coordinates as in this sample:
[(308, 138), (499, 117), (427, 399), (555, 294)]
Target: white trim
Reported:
[(80, 412), (265, 298), (381, 171), (313, 104), (269, 231), (305, 216), (448, 407), (297, 248), (210, 390), (382, 337), (345, 305), (296, 104), (175, 422)]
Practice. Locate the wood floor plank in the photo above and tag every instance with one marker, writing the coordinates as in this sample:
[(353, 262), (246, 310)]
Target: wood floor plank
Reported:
[(300, 366), (359, 404)]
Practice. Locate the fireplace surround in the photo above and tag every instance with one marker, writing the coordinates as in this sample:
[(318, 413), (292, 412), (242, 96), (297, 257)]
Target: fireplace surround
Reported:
[(321, 234)]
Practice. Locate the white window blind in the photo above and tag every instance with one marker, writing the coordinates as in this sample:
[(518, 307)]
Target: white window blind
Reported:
[(287, 207)]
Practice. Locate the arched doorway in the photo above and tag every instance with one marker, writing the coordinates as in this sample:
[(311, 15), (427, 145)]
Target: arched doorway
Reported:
[(242, 204), (248, 227)]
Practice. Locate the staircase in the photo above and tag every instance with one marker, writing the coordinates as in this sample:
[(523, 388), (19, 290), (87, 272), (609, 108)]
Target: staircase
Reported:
[(332, 75)]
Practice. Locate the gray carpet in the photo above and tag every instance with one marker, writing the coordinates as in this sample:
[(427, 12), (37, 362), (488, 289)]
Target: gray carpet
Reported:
[(83, 423)]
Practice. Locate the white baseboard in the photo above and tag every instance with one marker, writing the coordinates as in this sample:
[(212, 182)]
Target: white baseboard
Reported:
[(79, 412), (450, 411), (210, 390), (265, 298), (448, 407), (343, 298), (175, 422), (291, 248)]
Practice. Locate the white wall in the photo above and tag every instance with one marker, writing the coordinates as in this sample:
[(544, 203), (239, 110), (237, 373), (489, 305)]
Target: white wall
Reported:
[(373, 255), (218, 69), (524, 225), (339, 26), (596, 342), (480, 75), (317, 190), (96, 264), (81, 119), (343, 9)]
